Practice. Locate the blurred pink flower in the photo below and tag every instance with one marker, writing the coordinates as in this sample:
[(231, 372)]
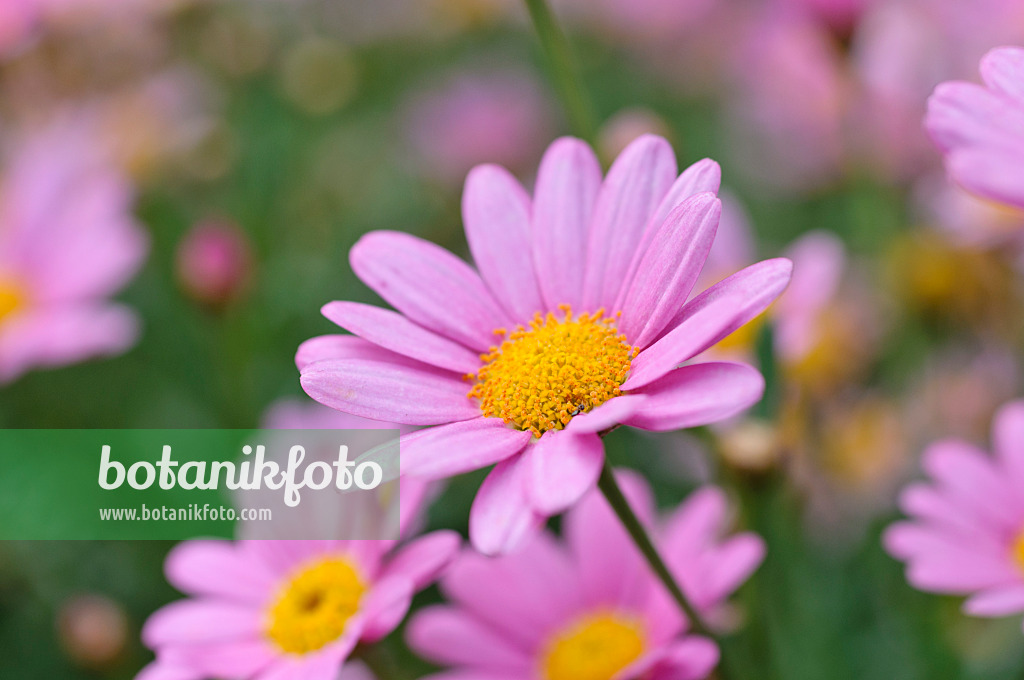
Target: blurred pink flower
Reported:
[(17, 20), (584, 291), (287, 610), (214, 262), (67, 241), (498, 116), (789, 98), (900, 52), (980, 130), (589, 606), (966, 535), (840, 15), (819, 260)]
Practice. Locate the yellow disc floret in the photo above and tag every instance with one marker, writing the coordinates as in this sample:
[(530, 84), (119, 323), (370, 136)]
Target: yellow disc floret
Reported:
[(315, 605), (12, 298), (541, 376), (1018, 551), (595, 648)]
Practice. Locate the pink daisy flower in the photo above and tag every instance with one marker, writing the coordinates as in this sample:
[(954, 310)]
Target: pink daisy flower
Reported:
[(588, 606), (966, 536), (285, 610), (67, 241), (579, 319), (980, 129)]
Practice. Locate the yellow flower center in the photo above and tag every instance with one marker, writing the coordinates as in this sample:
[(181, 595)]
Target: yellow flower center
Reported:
[(541, 376), (315, 605), (1018, 550), (12, 298), (594, 648)]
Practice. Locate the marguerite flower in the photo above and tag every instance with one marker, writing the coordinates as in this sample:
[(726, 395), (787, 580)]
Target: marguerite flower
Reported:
[(966, 536), (980, 130), (284, 610), (68, 241), (291, 609), (579, 319), (588, 608)]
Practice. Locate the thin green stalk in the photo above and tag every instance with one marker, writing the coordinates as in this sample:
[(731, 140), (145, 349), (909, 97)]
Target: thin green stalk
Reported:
[(563, 69), (613, 493)]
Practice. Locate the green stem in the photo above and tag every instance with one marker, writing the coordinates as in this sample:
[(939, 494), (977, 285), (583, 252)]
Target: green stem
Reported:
[(613, 493), (563, 69)]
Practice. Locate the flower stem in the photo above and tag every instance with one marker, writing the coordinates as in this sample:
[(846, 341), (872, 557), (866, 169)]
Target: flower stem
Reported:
[(613, 493), (563, 68)]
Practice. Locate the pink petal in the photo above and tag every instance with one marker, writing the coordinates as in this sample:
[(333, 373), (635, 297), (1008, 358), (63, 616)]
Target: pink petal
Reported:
[(669, 268), (971, 477), (1008, 441), (501, 516), (448, 636), (750, 291), (611, 570), (702, 176), (218, 568), (943, 563), (692, 336), (735, 561), (320, 665), (539, 590), (56, 336), (607, 415), (929, 504), (692, 658), (166, 671), (561, 468), (385, 391), (331, 347), (394, 332), (698, 394), (199, 621), (456, 448), (230, 660), (996, 602), (1003, 71), (631, 192), (385, 607), (496, 213), (566, 191), (429, 285), (424, 559), (990, 172)]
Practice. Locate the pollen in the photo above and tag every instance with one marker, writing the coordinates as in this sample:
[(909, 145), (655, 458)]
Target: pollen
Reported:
[(315, 605), (560, 366), (12, 298), (595, 648)]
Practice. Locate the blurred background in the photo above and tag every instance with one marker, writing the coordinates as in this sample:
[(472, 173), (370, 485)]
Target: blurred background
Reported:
[(218, 159)]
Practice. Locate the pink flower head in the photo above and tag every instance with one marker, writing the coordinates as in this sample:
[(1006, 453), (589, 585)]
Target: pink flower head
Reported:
[(588, 606), (966, 535), (214, 262), (980, 129), (67, 241), (248, 615), (577, 319), (244, 590), (500, 116)]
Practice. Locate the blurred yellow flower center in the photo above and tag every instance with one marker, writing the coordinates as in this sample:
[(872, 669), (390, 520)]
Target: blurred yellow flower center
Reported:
[(315, 605), (595, 648), (12, 298), (541, 376), (1018, 551)]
